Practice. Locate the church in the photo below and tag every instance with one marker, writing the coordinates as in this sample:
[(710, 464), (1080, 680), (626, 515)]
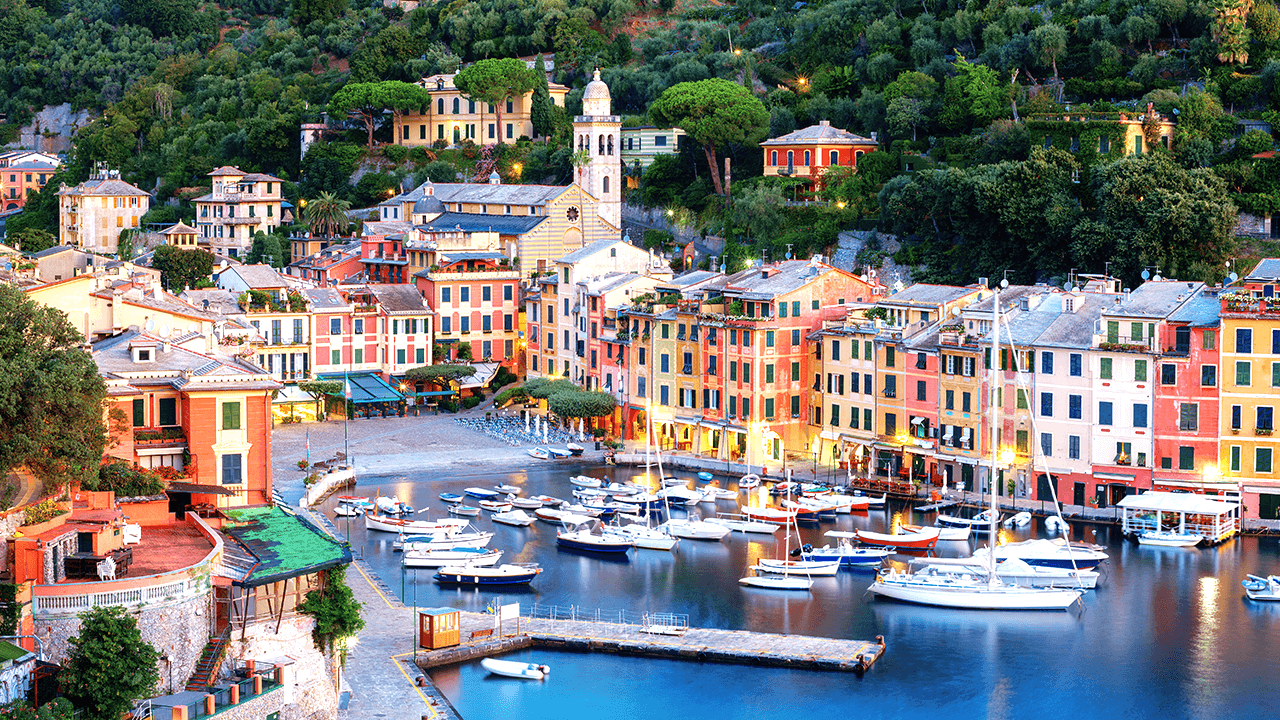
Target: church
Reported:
[(535, 223)]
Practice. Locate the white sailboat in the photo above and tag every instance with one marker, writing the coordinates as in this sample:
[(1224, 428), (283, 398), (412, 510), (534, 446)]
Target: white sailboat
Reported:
[(781, 579), (645, 535), (986, 591)]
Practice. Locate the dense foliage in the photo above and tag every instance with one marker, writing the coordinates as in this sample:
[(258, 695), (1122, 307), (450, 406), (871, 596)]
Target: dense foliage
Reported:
[(108, 665), (335, 609)]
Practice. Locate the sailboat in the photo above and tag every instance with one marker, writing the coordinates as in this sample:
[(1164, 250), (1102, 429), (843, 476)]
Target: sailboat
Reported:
[(769, 577), (986, 591), (646, 536)]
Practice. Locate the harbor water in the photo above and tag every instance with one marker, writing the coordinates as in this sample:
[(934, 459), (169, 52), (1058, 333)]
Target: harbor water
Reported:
[(1167, 634)]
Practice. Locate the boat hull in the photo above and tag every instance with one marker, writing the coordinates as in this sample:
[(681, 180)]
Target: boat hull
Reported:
[(601, 546), (923, 540), (442, 558), (1169, 539), (479, 576), (810, 568), (776, 582), (518, 670), (974, 597)]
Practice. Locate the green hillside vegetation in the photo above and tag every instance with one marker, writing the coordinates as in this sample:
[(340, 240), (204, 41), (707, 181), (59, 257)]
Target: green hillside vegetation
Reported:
[(183, 87)]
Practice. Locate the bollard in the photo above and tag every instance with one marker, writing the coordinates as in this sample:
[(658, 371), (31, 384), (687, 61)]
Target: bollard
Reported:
[(235, 694), (257, 684), (208, 705)]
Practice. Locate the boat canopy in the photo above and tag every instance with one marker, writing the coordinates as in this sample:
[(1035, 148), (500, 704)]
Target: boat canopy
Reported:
[(1154, 500)]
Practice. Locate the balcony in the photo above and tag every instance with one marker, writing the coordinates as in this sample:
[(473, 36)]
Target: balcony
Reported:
[(387, 259), (1124, 343), (890, 393), (244, 220), (163, 438)]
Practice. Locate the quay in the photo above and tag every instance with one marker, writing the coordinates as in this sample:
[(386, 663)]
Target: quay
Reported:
[(739, 647)]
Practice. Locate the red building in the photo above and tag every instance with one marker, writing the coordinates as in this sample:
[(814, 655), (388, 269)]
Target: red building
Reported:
[(477, 297), (330, 266), (1187, 399), (808, 153), (384, 259)]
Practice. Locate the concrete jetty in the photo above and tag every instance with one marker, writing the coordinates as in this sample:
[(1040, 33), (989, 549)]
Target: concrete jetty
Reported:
[(479, 640)]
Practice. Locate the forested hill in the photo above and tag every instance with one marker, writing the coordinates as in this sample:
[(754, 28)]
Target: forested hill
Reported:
[(184, 86)]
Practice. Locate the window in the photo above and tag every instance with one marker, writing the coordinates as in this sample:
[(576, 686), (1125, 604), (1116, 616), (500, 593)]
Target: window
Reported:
[(446, 326), (950, 400), (921, 390), (733, 370), (139, 413), (1104, 368), (1207, 339), (890, 424), (420, 356), (746, 408), (1046, 404), (231, 474), (868, 388), (1139, 370), (664, 395), (968, 367), (664, 363), (1077, 364), (1075, 407), (890, 386), (965, 402), (1235, 417), (1208, 375), (921, 361), (768, 374), (1275, 374), (1264, 416), (359, 326), (1168, 374), (1243, 369), (835, 415), (782, 309), (866, 419), (639, 386), (464, 295), (1186, 458), (1139, 415), (795, 406), (335, 326), (768, 338), (666, 331), (1262, 460), (1022, 399), (358, 356), (230, 416), (400, 356), (1046, 363), (768, 408), (1235, 458), (889, 359), (1022, 441), (687, 367), (335, 357), (795, 376), (795, 308), (1046, 444), (1073, 447), (1244, 341), (1104, 413), (168, 408)]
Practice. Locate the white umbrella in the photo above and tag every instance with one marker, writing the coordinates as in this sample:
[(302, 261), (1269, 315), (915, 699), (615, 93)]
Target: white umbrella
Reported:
[(544, 433), (525, 413), (581, 435)]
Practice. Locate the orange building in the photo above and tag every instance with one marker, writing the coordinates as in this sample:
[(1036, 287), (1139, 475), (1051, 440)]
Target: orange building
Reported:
[(21, 179), (809, 152)]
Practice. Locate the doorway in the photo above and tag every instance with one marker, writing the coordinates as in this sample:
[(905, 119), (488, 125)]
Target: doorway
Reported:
[(178, 502)]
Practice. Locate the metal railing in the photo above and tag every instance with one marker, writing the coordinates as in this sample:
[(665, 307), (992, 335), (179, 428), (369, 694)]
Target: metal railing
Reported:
[(678, 621)]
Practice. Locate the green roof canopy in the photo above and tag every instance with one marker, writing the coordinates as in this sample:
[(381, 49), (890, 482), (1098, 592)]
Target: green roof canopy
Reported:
[(366, 387), (285, 545)]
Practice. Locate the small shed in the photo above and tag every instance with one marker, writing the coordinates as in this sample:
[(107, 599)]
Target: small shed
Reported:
[(439, 628), (1153, 510)]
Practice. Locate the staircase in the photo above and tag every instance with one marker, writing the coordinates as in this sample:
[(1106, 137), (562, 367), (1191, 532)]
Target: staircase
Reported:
[(206, 670)]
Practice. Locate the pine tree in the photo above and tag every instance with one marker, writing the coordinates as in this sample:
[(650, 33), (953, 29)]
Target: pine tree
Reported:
[(540, 112)]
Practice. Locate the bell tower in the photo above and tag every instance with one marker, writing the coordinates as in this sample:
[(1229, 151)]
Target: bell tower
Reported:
[(598, 133)]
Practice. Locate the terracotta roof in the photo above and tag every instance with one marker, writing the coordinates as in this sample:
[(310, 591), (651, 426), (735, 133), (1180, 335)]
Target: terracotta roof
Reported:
[(822, 133), (111, 186)]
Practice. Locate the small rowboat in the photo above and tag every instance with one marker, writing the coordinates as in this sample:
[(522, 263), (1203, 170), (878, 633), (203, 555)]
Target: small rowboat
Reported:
[(348, 510), (548, 500), (419, 555), (507, 489), (558, 453), (512, 669), (525, 503), (451, 497), (705, 476), (585, 481), (946, 533), (464, 510), (515, 518), (355, 500), (1262, 588), (481, 493), (769, 515), (539, 453), (749, 481), (497, 506), (923, 540), (575, 449), (1169, 539)]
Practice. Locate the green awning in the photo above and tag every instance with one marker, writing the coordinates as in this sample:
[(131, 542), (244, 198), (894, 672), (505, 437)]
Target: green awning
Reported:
[(285, 545), (366, 387)]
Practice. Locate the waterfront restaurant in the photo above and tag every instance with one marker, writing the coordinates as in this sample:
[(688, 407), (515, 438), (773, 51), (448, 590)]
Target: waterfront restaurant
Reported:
[(1216, 520)]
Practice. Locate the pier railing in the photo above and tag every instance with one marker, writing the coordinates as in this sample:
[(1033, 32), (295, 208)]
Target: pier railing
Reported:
[(672, 621)]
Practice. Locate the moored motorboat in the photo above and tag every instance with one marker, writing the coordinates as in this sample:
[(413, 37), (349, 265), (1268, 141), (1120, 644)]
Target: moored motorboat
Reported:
[(348, 510), (357, 500), (481, 493), (558, 517), (464, 510), (768, 514), (617, 489), (539, 453), (946, 533), (579, 537), (923, 540), (1016, 572), (532, 503), (508, 489), (515, 518), (674, 481), (1167, 538), (1021, 519), (418, 555), (705, 476), (392, 506), (1049, 553), (548, 500), (1055, 525), (1262, 588), (451, 497), (694, 529), (512, 669), (771, 581), (558, 453), (495, 506), (510, 574), (472, 539), (844, 552), (748, 481), (809, 568), (574, 449), (979, 524), (585, 481), (741, 524), (413, 527), (933, 586), (643, 536)]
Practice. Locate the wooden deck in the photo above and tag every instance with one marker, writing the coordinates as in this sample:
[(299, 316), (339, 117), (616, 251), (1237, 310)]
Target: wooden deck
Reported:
[(697, 644)]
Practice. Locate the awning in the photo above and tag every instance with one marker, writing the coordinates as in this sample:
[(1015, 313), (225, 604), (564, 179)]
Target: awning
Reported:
[(284, 544), (484, 374), (1113, 476), (195, 488), (918, 419), (688, 420), (1177, 502), (946, 436), (366, 387), (829, 435)]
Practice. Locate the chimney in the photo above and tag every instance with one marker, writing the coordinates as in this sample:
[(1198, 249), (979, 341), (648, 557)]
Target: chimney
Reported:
[(824, 123), (1024, 303)]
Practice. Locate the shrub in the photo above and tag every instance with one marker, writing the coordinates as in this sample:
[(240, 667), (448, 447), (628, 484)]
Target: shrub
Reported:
[(395, 153), (472, 401), (448, 405), (46, 509), (128, 480)]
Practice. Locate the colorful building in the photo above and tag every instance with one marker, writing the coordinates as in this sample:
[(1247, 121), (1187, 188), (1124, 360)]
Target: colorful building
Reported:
[(640, 145), (809, 153), (239, 205), (92, 214), (452, 117), (23, 178), (476, 295)]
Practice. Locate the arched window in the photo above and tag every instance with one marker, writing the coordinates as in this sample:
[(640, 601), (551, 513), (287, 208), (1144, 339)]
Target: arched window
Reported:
[(440, 106), (856, 157), (773, 158), (601, 143), (610, 144), (579, 143), (456, 106), (606, 185), (835, 157), (791, 158), (806, 158)]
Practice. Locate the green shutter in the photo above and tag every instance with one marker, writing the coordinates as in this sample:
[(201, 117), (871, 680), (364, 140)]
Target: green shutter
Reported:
[(139, 413), (1113, 331), (1104, 368), (1244, 373), (1139, 370), (230, 416)]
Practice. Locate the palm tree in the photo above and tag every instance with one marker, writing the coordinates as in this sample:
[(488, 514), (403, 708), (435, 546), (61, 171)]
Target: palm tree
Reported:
[(327, 215)]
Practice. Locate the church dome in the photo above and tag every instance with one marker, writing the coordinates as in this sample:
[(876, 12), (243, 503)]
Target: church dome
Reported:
[(596, 89)]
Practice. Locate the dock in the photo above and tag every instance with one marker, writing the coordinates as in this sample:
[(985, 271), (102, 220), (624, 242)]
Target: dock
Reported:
[(697, 644)]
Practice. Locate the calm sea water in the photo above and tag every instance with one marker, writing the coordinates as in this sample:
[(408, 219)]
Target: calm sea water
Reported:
[(1168, 634)]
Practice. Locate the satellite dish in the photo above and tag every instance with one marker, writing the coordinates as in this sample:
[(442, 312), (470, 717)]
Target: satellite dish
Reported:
[(955, 311), (1234, 277), (1146, 274), (150, 325), (164, 331), (223, 265), (1158, 278), (1067, 286), (1004, 283)]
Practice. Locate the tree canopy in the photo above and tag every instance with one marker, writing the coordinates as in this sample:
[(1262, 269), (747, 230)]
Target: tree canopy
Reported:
[(51, 395), (108, 665), (494, 81), (366, 101), (439, 373), (180, 268), (581, 404), (715, 113)]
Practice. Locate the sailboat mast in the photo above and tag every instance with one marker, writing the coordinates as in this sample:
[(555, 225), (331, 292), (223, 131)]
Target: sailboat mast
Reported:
[(995, 427)]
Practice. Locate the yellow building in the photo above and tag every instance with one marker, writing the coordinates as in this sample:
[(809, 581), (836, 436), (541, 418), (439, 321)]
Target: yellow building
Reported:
[(452, 117), (92, 214), (1250, 387)]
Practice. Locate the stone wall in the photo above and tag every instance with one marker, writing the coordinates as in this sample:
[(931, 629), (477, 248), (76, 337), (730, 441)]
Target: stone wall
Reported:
[(180, 630), (58, 550), (308, 691), (52, 129), (1255, 225), (257, 708)]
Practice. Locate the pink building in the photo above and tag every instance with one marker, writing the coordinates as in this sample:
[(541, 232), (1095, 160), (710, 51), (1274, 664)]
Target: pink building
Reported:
[(1186, 394), (477, 297)]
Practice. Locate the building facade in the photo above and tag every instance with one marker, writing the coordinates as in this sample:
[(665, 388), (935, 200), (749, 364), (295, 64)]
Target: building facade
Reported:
[(91, 215), (451, 117), (239, 205)]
